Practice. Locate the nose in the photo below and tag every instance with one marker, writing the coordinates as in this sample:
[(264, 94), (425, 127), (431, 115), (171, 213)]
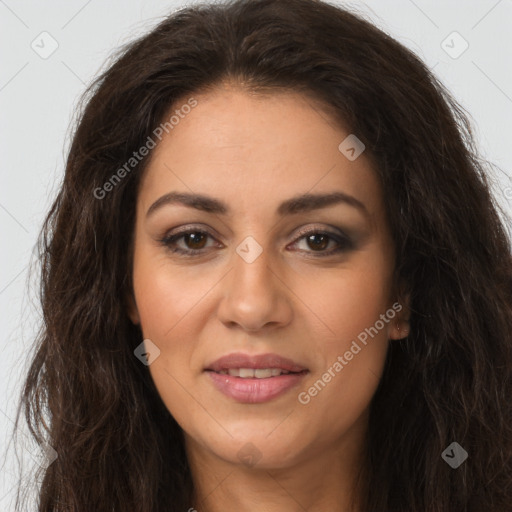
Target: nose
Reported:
[(255, 296)]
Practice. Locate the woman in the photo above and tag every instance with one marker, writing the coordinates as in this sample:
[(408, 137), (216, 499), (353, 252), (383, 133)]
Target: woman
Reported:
[(274, 278)]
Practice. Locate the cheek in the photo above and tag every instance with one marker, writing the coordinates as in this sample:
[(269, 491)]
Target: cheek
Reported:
[(165, 304), (166, 311), (346, 301), (354, 347), (164, 297), (336, 395)]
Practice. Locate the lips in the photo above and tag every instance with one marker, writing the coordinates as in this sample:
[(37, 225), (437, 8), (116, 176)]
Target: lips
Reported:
[(255, 379), (236, 361)]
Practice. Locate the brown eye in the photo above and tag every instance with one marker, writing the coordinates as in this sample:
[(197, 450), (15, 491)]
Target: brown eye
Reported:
[(194, 241), (317, 242)]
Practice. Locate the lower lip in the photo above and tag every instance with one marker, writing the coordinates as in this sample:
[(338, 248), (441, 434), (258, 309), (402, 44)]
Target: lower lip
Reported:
[(255, 391)]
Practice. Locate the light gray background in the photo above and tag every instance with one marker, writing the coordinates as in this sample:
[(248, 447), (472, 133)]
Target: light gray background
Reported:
[(38, 97)]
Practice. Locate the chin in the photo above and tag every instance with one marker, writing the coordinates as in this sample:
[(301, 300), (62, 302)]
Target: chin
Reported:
[(256, 450)]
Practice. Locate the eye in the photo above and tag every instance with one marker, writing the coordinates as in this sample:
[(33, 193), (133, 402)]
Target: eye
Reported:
[(194, 238), (195, 241), (318, 240)]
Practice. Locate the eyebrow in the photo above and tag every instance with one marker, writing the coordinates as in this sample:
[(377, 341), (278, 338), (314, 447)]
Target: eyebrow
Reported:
[(298, 204)]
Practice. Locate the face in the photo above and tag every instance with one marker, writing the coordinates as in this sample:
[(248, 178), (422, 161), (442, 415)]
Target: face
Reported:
[(285, 261)]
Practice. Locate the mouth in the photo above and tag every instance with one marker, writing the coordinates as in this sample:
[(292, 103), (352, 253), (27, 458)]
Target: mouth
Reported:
[(255, 373), (262, 362), (255, 379)]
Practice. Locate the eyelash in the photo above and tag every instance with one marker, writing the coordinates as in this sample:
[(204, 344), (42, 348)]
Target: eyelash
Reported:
[(345, 244)]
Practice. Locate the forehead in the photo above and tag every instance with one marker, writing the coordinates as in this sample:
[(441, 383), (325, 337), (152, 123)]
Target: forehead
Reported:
[(254, 149)]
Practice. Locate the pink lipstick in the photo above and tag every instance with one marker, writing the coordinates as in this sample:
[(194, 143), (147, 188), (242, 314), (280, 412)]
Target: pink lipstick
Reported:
[(255, 379)]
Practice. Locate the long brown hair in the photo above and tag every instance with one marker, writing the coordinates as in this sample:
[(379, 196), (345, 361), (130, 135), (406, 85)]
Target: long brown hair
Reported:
[(450, 380)]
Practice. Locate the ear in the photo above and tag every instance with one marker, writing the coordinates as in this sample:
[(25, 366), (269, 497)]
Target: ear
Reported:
[(399, 326), (132, 310)]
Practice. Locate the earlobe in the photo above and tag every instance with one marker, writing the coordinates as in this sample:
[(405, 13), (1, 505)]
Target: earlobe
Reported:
[(399, 330), (132, 310), (400, 327)]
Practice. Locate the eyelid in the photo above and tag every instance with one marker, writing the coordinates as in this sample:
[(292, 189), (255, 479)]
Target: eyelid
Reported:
[(330, 230), (301, 231)]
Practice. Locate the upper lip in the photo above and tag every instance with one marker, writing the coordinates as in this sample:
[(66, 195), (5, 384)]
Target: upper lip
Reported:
[(239, 360)]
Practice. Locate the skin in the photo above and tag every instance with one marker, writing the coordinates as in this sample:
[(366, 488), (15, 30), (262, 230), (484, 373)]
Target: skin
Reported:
[(253, 152)]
